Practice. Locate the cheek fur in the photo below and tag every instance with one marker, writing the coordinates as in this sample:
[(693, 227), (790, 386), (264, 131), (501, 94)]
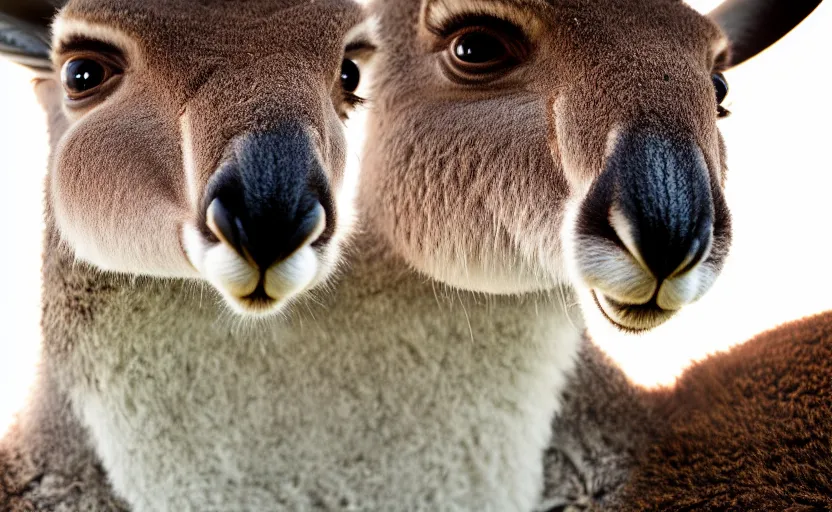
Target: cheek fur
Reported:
[(471, 204), (118, 206)]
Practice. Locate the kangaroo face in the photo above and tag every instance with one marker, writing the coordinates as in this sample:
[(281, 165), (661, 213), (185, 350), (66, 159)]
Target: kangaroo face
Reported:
[(200, 150), (530, 144)]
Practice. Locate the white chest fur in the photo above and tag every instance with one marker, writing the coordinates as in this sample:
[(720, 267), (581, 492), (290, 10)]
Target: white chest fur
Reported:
[(399, 402)]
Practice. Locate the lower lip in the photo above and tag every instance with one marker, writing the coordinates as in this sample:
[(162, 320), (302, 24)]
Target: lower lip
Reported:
[(609, 312)]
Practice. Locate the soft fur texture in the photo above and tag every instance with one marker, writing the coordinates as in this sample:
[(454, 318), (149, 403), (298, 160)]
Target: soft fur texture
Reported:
[(387, 392), (507, 185), (749, 429), (746, 430), (390, 392), (446, 405), (605, 424)]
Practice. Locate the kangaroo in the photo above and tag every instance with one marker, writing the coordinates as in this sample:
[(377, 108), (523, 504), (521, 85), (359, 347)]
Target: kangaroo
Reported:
[(207, 374), (599, 119), (192, 143)]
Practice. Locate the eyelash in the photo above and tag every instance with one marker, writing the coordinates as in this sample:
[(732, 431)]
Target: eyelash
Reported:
[(353, 100), (459, 22)]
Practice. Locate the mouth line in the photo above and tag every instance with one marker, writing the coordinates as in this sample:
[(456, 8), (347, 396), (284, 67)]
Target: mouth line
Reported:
[(650, 309), (282, 281), (259, 295)]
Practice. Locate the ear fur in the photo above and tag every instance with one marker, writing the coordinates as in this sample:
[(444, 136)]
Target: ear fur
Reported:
[(754, 25), (24, 32), (36, 12)]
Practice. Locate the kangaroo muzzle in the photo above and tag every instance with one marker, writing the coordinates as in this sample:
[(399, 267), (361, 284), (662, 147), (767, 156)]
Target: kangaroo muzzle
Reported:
[(661, 207), (270, 197), (649, 227)]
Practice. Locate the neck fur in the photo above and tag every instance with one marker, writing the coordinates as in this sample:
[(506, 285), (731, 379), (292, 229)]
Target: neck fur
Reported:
[(383, 389)]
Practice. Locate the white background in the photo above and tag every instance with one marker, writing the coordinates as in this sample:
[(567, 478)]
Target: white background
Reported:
[(780, 191)]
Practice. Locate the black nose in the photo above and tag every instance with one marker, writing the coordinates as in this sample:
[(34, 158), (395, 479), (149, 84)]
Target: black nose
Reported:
[(656, 196), (270, 197)]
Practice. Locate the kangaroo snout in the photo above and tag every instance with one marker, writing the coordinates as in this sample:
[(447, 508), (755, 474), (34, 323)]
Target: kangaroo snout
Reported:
[(661, 209), (265, 229), (268, 198), (646, 229)]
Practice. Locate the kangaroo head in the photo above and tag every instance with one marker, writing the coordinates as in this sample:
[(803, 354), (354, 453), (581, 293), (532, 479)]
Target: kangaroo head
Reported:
[(531, 143), (205, 140)]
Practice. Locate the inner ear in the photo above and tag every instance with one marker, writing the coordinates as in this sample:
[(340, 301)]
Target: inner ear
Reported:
[(754, 25)]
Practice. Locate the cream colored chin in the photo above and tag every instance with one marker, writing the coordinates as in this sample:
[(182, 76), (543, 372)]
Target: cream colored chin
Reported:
[(237, 279), (494, 279)]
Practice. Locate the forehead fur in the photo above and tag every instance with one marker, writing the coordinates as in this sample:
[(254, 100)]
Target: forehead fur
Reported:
[(524, 12), (589, 29), (519, 12), (250, 26)]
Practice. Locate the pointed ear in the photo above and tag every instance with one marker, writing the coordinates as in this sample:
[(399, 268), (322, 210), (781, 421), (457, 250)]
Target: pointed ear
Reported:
[(754, 25), (24, 31)]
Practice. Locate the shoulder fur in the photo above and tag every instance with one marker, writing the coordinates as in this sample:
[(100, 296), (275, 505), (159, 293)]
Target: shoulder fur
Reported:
[(747, 430)]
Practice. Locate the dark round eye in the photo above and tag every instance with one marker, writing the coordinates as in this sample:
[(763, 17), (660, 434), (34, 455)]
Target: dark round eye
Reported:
[(81, 76), (720, 86), (479, 48), (484, 49), (350, 76)]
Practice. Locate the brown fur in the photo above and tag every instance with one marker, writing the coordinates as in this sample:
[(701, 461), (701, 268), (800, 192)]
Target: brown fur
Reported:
[(536, 136), (747, 430), (201, 66)]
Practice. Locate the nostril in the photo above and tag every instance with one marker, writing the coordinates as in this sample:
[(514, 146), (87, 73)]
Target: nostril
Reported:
[(662, 254), (225, 226), (310, 227), (700, 248), (264, 242)]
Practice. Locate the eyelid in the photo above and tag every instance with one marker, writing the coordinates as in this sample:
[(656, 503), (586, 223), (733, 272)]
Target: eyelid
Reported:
[(458, 25), (356, 49), (114, 62), (73, 46), (437, 14)]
